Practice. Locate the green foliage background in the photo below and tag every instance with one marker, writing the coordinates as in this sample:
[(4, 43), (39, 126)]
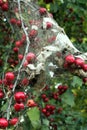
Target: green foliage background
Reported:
[(72, 16)]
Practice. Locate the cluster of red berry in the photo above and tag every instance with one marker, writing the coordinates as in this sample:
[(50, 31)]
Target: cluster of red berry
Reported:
[(71, 61), (4, 5), (4, 122)]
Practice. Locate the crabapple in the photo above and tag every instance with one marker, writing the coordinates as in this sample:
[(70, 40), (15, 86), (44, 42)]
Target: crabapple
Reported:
[(5, 6), (3, 123), (13, 121), (31, 103), (30, 56), (9, 76), (42, 10), (79, 62), (19, 96), (70, 59), (18, 106)]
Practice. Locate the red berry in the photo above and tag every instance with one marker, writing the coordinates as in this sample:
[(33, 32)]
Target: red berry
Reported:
[(42, 11), (85, 80), (46, 99), (18, 106), (1, 94), (25, 63), (60, 110), (0, 81), (70, 59), (18, 22), (5, 6), (66, 65), (15, 49), (79, 62), (33, 33), (20, 96), (60, 87), (11, 86), (13, 121), (3, 123), (23, 38), (55, 96), (1, 2), (15, 62), (31, 103), (53, 107), (44, 110), (84, 67), (30, 57), (20, 56), (18, 43), (48, 107), (43, 96), (47, 114), (9, 76), (65, 88), (49, 25), (25, 82), (21, 105), (13, 21)]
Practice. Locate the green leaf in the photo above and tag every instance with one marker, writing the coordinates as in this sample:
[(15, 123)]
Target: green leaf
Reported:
[(44, 128), (54, 7), (77, 81), (46, 122), (62, 1), (4, 106), (34, 116), (82, 1), (27, 124), (68, 98)]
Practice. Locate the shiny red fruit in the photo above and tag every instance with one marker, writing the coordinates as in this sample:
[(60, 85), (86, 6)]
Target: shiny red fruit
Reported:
[(20, 56), (9, 76), (49, 25), (1, 94), (25, 63), (79, 62), (69, 59), (1, 2), (18, 22), (18, 43), (31, 103), (5, 6), (20, 96), (15, 49), (13, 21), (85, 80), (25, 82), (18, 107), (3, 123), (33, 33), (30, 57), (42, 11), (84, 67), (13, 121), (43, 96), (44, 110)]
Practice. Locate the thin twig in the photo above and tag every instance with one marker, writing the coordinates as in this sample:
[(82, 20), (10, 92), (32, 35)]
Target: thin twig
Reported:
[(26, 51)]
